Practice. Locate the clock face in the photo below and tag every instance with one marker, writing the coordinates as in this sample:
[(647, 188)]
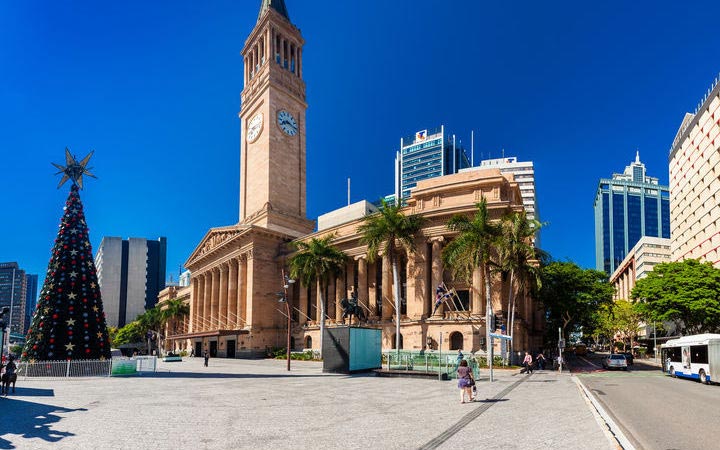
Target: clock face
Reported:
[(254, 127), (287, 123)]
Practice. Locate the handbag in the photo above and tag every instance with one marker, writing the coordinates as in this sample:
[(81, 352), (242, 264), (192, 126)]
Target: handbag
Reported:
[(470, 382)]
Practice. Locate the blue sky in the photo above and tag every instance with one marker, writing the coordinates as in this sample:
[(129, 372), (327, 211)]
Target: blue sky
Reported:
[(154, 89)]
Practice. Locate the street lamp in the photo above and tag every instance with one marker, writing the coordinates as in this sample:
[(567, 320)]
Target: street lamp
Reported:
[(287, 281), (3, 311)]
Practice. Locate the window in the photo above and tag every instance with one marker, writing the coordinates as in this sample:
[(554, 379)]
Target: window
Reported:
[(456, 340), (699, 354)]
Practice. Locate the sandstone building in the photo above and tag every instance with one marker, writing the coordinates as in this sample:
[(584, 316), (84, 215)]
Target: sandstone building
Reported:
[(237, 270)]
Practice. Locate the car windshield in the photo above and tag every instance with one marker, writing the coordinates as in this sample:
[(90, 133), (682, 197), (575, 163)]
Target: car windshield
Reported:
[(617, 356)]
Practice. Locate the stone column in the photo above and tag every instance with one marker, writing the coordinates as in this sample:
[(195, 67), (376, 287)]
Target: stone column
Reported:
[(302, 304), (437, 272), (362, 289), (350, 278), (232, 294), (215, 298), (242, 292), (223, 304), (339, 295), (299, 63), (194, 299), (388, 306), (372, 290), (332, 302), (207, 284), (477, 293)]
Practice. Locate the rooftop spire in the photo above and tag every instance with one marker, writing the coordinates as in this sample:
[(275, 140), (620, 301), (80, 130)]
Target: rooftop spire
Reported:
[(277, 5), (637, 156)]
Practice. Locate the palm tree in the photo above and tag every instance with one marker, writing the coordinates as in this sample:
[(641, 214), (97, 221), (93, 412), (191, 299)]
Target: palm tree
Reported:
[(473, 247), (518, 258), (173, 310), (316, 262), (386, 229)]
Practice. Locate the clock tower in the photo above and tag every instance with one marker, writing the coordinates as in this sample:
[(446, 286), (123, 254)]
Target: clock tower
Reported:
[(272, 116)]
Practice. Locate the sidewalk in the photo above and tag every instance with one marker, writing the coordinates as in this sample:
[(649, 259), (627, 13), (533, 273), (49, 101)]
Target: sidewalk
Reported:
[(257, 404)]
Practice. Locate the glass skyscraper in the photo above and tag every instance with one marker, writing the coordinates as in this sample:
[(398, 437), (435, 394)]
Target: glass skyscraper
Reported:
[(427, 154), (628, 206)]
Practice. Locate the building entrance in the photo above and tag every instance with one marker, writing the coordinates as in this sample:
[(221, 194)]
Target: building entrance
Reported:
[(230, 349), (213, 349), (198, 349)]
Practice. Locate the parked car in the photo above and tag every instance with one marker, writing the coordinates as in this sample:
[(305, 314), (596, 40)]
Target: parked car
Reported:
[(629, 357), (615, 361)]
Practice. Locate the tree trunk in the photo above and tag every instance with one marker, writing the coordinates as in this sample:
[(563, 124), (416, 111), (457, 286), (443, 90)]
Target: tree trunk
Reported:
[(488, 312), (396, 289), (511, 314), (321, 305)]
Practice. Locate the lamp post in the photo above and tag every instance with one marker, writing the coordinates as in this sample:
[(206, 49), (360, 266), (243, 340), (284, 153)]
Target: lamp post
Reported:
[(287, 281), (3, 311)]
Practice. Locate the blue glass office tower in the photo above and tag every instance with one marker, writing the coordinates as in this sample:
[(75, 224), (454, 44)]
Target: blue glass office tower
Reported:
[(628, 206), (428, 154)]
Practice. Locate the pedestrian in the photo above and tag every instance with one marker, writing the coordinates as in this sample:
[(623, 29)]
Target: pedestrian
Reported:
[(540, 361), (460, 357), (207, 357), (465, 381), (527, 363), (10, 376)]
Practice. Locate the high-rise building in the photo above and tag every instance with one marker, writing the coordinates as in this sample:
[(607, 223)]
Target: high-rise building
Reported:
[(13, 291), (427, 154), (30, 299), (131, 273), (695, 183), (628, 206), (524, 174)]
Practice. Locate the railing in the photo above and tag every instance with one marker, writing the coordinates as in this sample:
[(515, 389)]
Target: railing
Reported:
[(428, 362), (85, 368), (65, 369)]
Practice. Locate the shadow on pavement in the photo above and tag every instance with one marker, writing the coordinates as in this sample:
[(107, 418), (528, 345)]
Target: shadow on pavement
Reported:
[(491, 400), (32, 392), (227, 375), (30, 420)]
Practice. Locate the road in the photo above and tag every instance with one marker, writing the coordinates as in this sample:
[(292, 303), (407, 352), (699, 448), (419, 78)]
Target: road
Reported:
[(654, 410)]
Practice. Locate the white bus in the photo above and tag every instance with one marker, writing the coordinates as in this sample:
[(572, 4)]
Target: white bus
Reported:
[(696, 357)]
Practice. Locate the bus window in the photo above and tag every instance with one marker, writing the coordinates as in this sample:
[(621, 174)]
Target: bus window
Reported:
[(699, 354)]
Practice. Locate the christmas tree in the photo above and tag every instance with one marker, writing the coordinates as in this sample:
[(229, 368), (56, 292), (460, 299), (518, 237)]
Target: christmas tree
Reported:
[(69, 322)]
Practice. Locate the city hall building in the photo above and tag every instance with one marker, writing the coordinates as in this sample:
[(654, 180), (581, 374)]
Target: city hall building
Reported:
[(236, 270)]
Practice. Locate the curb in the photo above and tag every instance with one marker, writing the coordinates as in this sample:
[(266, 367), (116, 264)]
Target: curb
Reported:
[(610, 428)]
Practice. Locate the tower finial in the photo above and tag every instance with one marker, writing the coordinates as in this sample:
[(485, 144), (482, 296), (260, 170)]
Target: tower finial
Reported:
[(637, 156), (277, 5)]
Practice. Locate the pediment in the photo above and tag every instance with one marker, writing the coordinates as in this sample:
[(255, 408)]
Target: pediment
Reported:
[(215, 239)]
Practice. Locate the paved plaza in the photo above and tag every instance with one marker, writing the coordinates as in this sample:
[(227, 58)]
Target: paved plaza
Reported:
[(258, 404)]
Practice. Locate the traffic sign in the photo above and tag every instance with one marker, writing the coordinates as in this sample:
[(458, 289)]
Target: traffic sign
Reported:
[(499, 336), (561, 344)]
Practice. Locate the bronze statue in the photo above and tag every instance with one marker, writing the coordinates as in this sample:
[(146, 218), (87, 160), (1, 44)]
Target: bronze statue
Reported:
[(351, 307)]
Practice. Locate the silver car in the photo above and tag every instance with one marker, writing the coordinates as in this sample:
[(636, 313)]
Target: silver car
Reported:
[(615, 361)]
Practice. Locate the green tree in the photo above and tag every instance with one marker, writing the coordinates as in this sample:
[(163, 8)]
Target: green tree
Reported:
[(172, 311), (112, 335), (572, 297), (473, 248), (391, 230), (686, 293), (315, 262), (129, 334), (620, 318), (518, 258)]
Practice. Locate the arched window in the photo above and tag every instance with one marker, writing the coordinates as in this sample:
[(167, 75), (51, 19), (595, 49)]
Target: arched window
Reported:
[(308, 342), (393, 341), (456, 340)]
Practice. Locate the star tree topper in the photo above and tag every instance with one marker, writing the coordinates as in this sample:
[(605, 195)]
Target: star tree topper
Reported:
[(74, 170)]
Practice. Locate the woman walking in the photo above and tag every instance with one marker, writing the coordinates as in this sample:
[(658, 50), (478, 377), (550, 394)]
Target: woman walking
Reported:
[(465, 381)]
